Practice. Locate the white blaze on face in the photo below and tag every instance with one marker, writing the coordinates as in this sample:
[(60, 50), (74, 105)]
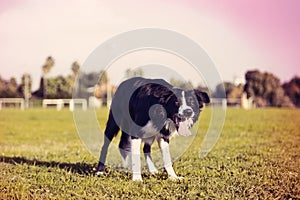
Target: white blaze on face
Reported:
[(184, 105), (184, 126)]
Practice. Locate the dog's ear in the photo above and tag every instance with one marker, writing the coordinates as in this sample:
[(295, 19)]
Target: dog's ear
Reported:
[(202, 96)]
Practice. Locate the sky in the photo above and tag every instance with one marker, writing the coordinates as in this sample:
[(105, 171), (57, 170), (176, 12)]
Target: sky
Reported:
[(237, 35)]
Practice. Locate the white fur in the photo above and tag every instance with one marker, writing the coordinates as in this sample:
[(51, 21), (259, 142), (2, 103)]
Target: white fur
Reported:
[(190, 122), (149, 131), (136, 159), (98, 173), (174, 134), (168, 123), (149, 127), (184, 106), (125, 162), (164, 147), (150, 164)]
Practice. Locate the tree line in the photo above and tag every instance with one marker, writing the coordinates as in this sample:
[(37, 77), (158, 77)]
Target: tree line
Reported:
[(265, 88)]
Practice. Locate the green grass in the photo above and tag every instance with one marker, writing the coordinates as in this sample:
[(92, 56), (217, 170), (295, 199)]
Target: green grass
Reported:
[(256, 157)]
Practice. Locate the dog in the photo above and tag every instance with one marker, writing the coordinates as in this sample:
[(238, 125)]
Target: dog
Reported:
[(146, 110)]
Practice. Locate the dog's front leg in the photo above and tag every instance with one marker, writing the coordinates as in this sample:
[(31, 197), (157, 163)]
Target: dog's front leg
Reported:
[(164, 147), (136, 159)]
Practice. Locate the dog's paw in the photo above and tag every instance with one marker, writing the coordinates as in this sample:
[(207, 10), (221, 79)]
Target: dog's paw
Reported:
[(99, 173), (153, 171), (137, 178), (99, 170)]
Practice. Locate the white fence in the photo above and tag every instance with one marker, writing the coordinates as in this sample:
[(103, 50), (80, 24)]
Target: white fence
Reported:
[(219, 102), (96, 103), (20, 102), (73, 102), (60, 103), (234, 102)]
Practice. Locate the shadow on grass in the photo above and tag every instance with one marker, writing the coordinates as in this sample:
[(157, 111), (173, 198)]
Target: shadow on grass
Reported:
[(79, 168)]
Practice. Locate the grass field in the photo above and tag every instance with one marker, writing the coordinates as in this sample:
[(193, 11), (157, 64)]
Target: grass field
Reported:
[(256, 157)]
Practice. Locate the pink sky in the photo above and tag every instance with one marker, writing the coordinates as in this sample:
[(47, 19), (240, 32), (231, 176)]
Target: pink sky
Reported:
[(272, 25), (8, 4), (238, 34)]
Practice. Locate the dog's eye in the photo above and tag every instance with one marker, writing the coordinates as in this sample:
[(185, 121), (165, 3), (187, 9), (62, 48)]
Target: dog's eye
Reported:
[(177, 103)]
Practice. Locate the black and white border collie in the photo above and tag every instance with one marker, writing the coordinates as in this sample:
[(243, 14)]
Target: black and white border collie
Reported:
[(147, 110)]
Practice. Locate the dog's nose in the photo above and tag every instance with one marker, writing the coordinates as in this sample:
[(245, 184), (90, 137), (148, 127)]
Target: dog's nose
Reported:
[(188, 112)]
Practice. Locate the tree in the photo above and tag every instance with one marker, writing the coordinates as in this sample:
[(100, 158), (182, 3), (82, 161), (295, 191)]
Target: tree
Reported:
[(266, 89), (129, 73), (59, 87), (103, 89), (292, 90), (103, 77), (49, 63), (223, 88), (46, 68), (9, 89), (25, 87), (181, 84), (235, 92), (93, 82), (75, 68)]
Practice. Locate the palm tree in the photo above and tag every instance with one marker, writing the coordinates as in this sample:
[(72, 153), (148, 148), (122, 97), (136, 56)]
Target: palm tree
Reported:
[(46, 68), (48, 65), (75, 68), (26, 88)]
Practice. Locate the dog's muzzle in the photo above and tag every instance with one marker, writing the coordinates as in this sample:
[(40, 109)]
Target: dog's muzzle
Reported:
[(183, 122)]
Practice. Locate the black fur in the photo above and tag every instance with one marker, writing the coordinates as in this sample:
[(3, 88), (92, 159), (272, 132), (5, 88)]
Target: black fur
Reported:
[(131, 106)]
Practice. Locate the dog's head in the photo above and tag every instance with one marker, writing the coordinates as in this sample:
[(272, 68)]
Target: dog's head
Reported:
[(185, 107)]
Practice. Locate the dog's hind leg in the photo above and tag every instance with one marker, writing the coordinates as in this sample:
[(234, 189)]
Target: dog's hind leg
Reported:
[(148, 158), (125, 148), (111, 130)]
